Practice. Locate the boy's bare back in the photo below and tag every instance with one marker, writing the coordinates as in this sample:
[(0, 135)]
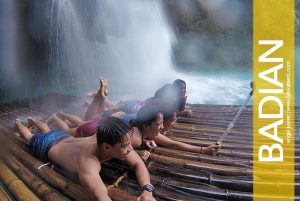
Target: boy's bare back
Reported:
[(73, 153)]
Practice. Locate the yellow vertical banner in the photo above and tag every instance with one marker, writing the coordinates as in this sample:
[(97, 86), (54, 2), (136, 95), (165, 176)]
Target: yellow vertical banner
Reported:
[(273, 100)]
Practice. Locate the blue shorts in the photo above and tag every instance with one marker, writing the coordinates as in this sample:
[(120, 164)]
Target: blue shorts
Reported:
[(40, 144), (128, 106)]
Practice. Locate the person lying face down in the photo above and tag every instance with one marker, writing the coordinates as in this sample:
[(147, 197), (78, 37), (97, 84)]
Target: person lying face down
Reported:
[(169, 95), (180, 87), (147, 129), (85, 155), (162, 140), (148, 122)]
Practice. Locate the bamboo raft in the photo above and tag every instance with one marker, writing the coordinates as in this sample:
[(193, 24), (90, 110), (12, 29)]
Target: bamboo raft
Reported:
[(176, 175)]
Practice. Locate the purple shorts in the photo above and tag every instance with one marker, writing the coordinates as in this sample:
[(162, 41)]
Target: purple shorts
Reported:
[(89, 128)]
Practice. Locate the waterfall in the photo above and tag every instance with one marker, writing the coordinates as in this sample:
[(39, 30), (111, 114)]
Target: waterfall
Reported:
[(8, 48), (64, 46), (128, 42)]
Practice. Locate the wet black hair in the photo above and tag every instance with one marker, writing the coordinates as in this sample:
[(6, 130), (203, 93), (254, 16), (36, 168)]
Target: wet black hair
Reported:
[(167, 114), (179, 83), (165, 92), (112, 130), (146, 115)]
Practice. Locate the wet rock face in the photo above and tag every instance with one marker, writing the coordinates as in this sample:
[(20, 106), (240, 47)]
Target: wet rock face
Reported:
[(208, 33), (219, 26)]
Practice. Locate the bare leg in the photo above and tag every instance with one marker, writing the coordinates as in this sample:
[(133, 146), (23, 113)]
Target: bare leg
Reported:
[(61, 125), (86, 103), (110, 105), (98, 104), (42, 126), (77, 121), (23, 130), (91, 94)]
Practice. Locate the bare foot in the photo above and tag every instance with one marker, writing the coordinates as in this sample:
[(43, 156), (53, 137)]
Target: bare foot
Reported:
[(86, 103), (50, 119), (61, 115), (17, 127), (105, 83), (103, 91), (91, 94), (30, 122)]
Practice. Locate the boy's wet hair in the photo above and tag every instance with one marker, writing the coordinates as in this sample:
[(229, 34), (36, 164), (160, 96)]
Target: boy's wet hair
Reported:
[(180, 86), (179, 83), (112, 130), (168, 97), (165, 92), (146, 116), (169, 114)]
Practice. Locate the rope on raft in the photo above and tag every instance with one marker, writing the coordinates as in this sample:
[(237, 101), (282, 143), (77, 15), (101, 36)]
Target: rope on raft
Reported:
[(116, 183)]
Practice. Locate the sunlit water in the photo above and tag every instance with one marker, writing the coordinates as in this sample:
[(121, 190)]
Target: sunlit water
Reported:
[(210, 88)]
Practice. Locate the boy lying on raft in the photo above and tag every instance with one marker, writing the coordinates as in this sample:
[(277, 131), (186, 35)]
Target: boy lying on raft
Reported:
[(85, 155), (148, 124)]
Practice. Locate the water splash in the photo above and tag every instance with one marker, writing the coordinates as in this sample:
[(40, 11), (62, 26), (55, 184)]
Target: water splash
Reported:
[(129, 43), (8, 48), (218, 89)]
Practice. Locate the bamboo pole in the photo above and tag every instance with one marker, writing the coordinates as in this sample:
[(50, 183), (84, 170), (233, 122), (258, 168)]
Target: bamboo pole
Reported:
[(208, 134), (188, 185), (164, 194), (3, 195), (19, 190), (217, 169), (202, 157), (40, 188), (225, 145), (213, 139), (229, 161), (120, 195), (214, 192), (210, 130), (72, 190), (190, 176), (228, 182)]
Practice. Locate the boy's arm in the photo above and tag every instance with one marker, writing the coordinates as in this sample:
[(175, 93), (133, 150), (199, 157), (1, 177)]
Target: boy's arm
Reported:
[(91, 180), (141, 173), (169, 143)]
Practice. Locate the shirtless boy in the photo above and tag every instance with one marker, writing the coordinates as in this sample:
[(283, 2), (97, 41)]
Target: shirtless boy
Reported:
[(85, 155)]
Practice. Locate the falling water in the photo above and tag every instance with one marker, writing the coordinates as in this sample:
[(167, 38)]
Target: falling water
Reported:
[(8, 47), (127, 42)]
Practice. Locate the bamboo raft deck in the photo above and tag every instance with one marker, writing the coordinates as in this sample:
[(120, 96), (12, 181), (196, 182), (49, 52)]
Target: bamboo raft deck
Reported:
[(176, 175)]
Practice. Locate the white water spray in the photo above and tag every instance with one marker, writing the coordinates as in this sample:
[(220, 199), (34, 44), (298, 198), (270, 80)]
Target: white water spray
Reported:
[(128, 42)]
